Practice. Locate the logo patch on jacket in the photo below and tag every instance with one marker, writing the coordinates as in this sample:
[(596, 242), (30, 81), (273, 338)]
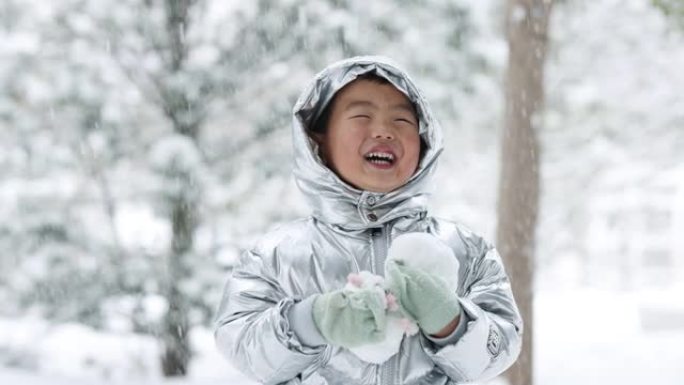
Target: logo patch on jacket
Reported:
[(493, 342)]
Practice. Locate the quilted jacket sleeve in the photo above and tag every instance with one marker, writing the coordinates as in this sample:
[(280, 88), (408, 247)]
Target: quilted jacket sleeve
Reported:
[(252, 328), (493, 334)]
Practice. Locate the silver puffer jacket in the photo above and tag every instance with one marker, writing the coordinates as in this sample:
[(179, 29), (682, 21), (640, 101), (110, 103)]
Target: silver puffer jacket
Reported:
[(349, 231)]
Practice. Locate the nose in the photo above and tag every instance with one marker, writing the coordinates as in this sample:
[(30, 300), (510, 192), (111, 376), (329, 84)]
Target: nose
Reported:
[(382, 130)]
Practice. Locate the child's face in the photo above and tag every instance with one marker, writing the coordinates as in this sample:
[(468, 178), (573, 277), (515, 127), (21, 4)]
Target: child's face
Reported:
[(372, 139)]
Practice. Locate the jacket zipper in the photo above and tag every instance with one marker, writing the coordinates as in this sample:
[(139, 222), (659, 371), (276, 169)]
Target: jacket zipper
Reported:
[(379, 247)]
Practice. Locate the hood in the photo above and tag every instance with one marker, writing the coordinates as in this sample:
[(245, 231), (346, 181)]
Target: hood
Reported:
[(334, 201)]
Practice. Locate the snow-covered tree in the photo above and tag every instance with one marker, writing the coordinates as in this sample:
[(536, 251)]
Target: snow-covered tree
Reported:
[(175, 113), (673, 9)]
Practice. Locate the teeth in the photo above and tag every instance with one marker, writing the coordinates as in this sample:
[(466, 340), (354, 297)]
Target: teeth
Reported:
[(380, 156)]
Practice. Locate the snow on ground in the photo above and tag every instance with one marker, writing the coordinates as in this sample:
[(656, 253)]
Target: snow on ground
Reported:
[(597, 337), (582, 337)]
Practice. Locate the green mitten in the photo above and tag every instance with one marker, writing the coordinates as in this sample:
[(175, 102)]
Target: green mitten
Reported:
[(351, 318), (422, 296)]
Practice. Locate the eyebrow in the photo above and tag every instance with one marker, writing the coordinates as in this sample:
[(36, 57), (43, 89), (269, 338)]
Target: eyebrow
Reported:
[(365, 103)]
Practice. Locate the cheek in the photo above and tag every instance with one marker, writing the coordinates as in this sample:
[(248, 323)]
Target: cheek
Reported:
[(412, 151), (343, 148), (348, 140)]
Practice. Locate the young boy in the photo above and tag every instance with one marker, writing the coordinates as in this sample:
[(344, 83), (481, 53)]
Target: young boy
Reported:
[(366, 145)]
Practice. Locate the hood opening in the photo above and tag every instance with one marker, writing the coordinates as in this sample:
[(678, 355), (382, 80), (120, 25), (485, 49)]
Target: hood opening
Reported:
[(334, 201)]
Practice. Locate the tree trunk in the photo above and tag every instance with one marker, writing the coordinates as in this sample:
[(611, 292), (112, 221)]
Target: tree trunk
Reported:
[(177, 354), (526, 29)]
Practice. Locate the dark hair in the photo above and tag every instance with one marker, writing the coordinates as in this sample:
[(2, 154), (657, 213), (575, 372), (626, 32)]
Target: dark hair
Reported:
[(320, 126)]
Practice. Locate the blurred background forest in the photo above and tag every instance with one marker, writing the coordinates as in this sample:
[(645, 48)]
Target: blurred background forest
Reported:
[(145, 143)]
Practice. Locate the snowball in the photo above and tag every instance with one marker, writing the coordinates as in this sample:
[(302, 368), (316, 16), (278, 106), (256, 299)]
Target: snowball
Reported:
[(426, 252), (417, 250)]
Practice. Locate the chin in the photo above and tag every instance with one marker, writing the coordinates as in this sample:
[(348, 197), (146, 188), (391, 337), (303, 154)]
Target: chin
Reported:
[(372, 184), (378, 190), (382, 189)]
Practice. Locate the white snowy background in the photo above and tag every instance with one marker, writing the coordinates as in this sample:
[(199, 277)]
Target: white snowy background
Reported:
[(78, 132)]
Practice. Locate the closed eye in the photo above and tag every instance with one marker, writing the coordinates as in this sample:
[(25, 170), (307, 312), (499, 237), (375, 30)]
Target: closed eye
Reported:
[(405, 121), (360, 116)]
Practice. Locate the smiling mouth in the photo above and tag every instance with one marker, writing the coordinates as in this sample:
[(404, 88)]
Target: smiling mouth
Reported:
[(380, 159)]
